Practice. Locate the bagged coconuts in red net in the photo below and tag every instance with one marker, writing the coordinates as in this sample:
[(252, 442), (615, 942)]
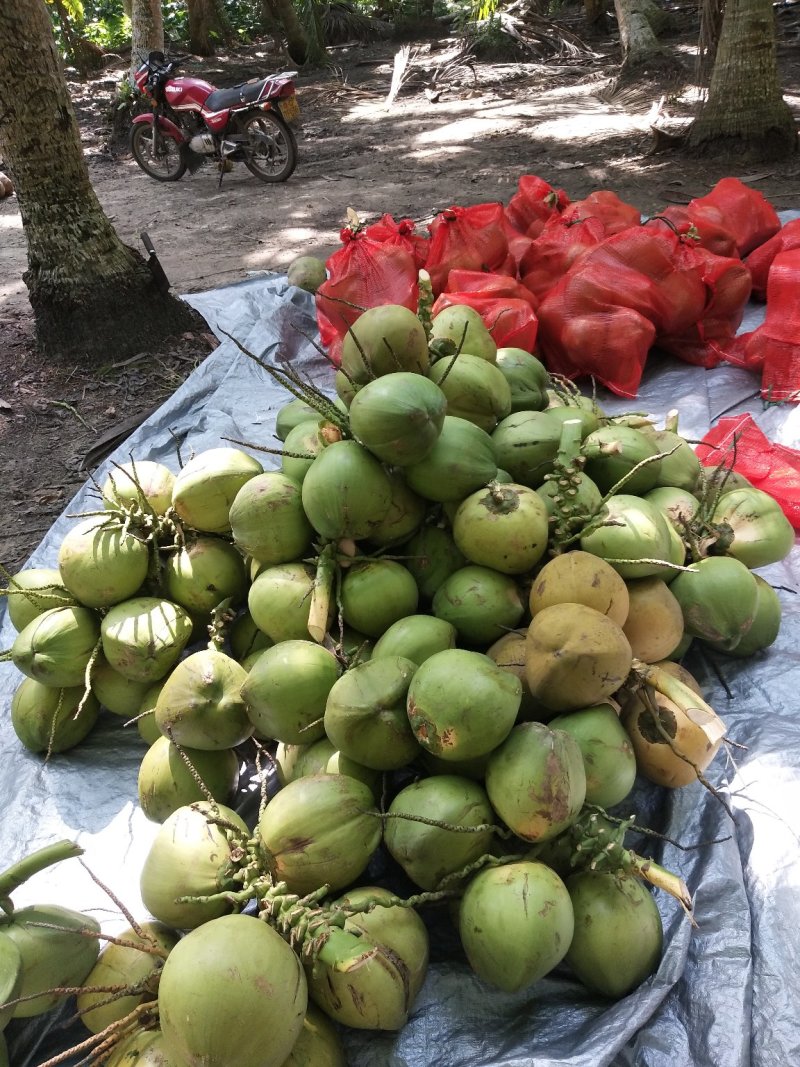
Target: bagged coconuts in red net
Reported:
[(760, 260), (401, 232), (363, 274), (534, 202), (738, 442), (774, 347), (506, 307), (743, 212), (469, 237), (711, 235), (606, 206), (552, 253)]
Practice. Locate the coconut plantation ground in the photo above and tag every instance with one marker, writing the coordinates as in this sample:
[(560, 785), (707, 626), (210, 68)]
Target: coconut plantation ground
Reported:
[(460, 131)]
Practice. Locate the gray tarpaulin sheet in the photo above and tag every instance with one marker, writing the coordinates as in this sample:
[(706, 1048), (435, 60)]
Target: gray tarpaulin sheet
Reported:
[(726, 994)]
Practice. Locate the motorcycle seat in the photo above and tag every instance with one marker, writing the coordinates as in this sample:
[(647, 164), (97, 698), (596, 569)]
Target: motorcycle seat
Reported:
[(246, 93)]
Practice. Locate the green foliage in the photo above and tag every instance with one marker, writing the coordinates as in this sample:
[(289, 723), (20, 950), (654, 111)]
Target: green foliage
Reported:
[(111, 33)]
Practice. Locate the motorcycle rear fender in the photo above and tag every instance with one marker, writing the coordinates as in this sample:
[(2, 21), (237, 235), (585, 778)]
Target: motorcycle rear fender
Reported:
[(167, 126)]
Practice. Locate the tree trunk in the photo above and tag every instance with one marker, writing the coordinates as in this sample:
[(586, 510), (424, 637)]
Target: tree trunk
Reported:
[(636, 34), (745, 115), (296, 40), (147, 31), (90, 293), (595, 17), (201, 23)]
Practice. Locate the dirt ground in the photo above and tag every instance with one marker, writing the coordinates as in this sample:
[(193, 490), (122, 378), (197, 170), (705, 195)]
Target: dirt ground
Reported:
[(457, 133)]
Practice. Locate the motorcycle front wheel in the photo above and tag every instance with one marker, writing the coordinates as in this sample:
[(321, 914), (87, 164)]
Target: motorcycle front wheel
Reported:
[(159, 156), (271, 150)]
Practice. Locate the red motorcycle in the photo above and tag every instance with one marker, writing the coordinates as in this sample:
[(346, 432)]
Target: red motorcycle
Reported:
[(191, 120)]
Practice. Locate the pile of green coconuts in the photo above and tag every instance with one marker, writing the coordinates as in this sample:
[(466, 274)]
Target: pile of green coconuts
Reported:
[(449, 624)]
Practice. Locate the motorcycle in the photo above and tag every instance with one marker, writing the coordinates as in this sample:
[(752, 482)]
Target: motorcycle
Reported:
[(190, 121)]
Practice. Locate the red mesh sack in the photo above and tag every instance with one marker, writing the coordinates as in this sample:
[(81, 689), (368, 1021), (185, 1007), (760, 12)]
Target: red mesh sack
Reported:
[(713, 236), (469, 237), (362, 274), (518, 243), (773, 468), (743, 211), (511, 321), (775, 345), (475, 281), (706, 341), (608, 343), (602, 204), (534, 202), (387, 230), (760, 260), (554, 251)]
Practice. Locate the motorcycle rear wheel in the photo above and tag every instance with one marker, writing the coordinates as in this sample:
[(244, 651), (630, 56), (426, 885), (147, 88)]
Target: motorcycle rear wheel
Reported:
[(271, 150), (161, 157)]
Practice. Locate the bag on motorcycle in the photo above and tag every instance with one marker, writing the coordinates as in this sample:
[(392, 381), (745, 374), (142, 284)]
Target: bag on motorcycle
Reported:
[(469, 237), (362, 274), (533, 204), (506, 307), (389, 231)]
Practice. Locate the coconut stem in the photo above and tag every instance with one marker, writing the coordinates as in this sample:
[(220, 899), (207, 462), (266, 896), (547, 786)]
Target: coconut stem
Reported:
[(425, 302), (661, 878), (322, 592), (680, 693), (18, 873)]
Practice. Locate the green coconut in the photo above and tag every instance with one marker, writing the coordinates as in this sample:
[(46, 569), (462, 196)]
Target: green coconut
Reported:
[(536, 781), (207, 485), (56, 647), (192, 855), (32, 591), (613, 451), (481, 603), (318, 1045), (431, 556), (476, 390), (377, 593), (635, 537), (464, 327), (267, 519), (306, 272), (279, 601), (398, 417), (202, 573), (141, 484), (383, 340), (504, 527), (201, 704), (405, 516), (168, 777), (515, 924), (365, 714), (247, 1011), (415, 637), (46, 719), (346, 492), (461, 461), (526, 444), (761, 532), (116, 693), (58, 948), (608, 757), (461, 705), (123, 965), (286, 690), (428, 852), (766, 622), (718, 596), (144, 638), (320, 830), (291, 414), (303, 442), (527, 377)]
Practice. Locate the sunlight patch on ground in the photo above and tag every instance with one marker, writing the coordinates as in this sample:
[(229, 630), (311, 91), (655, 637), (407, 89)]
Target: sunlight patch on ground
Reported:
[(11, 222)]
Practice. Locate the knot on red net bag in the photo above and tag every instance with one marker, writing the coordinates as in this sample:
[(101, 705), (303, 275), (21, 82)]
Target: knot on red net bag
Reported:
[(737, 442), (401, 232), (362, 274), (472, 238), (534, 202), (606, 206)]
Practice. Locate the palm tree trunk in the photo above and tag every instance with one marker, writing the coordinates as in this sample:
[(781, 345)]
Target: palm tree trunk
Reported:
[(147, 31), (296, 40), (90, 293), (201, 23), (745, 114)]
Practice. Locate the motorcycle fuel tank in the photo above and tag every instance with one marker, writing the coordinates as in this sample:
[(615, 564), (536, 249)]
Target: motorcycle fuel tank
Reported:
[(188, 94)]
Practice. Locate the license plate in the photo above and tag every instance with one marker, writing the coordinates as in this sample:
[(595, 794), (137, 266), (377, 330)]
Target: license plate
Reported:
[(290, 109)]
